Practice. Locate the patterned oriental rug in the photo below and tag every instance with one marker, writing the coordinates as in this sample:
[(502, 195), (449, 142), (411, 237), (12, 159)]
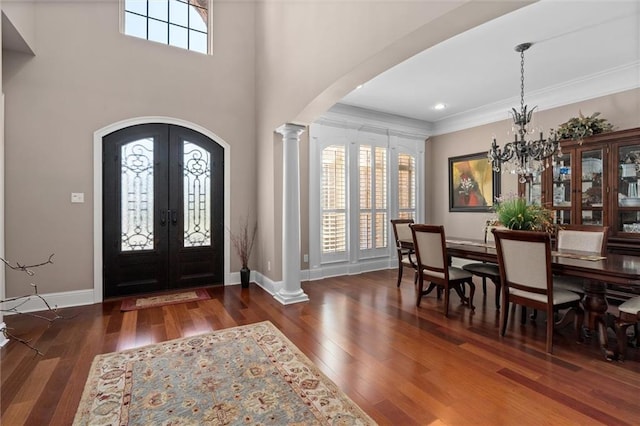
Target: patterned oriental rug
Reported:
[(134, 303), (249, 375)]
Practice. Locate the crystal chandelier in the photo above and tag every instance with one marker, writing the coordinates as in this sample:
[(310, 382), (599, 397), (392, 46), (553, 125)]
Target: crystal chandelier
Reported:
[(524, 157)]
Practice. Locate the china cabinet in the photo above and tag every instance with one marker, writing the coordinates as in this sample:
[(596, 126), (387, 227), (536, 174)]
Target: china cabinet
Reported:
[(595, 182)]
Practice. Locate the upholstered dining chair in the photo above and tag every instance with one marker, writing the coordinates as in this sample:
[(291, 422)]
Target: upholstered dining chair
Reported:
[(524, 259), (586, 238), (433, 266), (406, 256), (629, 316), (488, 270)]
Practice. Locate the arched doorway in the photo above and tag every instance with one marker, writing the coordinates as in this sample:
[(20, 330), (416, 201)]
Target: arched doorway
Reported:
[(182, 211)]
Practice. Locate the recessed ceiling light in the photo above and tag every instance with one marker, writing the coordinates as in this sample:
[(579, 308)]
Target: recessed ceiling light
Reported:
[(439, 106), (359, 86)]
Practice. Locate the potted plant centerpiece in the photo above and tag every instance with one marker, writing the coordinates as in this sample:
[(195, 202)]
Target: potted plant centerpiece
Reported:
[(514, 213), (578, 128), (243, 244)]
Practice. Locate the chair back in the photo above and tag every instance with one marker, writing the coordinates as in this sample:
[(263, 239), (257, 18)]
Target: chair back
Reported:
[(488, 231), (583, 238), (431, 250), (524, 259), (401, 230)]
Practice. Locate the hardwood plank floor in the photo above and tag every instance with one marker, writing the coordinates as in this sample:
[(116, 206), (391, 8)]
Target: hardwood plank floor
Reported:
[(401, 364)]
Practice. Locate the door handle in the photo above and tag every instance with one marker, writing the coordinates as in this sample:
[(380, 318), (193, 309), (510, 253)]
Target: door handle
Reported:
[(174, 216), (163, 217)]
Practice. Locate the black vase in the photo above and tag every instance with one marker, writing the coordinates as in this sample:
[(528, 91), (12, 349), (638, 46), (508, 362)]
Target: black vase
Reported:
[(245, 273)]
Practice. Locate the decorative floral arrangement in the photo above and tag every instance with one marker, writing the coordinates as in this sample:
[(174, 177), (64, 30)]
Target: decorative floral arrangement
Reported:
[(243, 241), (580, 127), (514, 213)]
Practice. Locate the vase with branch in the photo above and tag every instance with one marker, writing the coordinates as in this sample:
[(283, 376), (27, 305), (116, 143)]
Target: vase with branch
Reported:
[(243, 242)]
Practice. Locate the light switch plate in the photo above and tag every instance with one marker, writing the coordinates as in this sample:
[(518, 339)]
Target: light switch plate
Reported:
[(77, 197)]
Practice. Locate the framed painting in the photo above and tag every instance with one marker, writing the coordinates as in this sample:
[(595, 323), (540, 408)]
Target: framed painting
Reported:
[(472, 183)]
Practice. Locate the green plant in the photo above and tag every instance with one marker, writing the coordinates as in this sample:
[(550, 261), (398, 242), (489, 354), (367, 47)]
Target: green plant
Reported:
[(580, 127), (514, 213)]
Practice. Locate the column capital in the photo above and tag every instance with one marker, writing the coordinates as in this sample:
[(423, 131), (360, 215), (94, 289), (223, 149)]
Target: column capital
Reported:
[(290, 130)]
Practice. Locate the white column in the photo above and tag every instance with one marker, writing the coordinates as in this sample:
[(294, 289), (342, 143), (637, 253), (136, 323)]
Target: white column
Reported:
[(292, 291)]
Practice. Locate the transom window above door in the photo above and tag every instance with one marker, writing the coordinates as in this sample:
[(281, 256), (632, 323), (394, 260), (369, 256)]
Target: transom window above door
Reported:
[(180, 23)]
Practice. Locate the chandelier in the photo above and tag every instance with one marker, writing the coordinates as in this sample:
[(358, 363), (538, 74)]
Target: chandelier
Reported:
[(524, 157)]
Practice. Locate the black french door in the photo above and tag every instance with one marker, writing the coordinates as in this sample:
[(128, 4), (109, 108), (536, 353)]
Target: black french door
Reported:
[(163, 199)]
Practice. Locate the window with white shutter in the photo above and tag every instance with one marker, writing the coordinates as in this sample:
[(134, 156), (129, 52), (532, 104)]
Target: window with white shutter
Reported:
[(333, 201), (406, 186)]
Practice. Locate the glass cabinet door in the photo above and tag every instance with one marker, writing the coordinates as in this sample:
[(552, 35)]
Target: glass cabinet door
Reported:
[(533, 189), (628, 219), (592, 195), (561, 190)]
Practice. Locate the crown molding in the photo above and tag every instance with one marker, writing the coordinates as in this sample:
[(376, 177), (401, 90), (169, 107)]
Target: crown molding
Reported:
[(356, 118), (612, 81)]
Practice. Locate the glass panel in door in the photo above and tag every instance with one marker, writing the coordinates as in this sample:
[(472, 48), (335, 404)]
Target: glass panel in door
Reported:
[(561, 190), (592, 195), (628, 197), (137, 195), (197, 195)]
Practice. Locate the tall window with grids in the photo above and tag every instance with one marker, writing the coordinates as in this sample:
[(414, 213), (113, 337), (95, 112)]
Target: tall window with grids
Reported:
[(180, 23), (406, 186), (334, 203), (372, 165)]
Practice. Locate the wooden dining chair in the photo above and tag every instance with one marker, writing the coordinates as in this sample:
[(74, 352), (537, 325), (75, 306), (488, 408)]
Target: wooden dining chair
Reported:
[(487, 270), (586, 238), (629, 316), (524, 259), (433, 266), (406, 256)]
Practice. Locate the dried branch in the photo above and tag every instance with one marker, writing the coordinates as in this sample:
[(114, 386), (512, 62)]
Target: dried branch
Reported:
[(22, 300), (27, 268), (27, 343), (244, 240)]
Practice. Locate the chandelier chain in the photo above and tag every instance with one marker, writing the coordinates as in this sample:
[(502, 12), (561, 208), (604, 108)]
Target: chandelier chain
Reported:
[(522, 80)]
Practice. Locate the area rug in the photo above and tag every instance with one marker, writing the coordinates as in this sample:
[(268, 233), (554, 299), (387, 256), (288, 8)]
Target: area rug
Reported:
[(134, 303), (249, 375)]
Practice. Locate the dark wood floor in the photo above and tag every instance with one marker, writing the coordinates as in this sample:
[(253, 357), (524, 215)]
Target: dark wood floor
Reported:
[(403, 365)]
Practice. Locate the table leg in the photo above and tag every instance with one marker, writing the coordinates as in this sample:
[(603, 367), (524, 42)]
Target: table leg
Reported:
[(595, 306)]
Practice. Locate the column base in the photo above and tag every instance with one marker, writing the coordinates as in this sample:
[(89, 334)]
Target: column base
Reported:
[(288, 298), (3, 339)]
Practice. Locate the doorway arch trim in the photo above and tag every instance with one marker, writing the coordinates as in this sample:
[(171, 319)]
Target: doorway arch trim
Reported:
[(97, 190)]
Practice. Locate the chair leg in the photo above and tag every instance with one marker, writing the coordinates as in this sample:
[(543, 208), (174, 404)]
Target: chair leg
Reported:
[(550, 330), (400, 268), (523, 316), (446, 301), (579, 323), (498, 290), (472, 292), (504, 315), (484, 285), (420, 287)]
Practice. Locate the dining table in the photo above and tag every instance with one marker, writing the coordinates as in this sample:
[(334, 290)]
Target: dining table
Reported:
[(621, 270)]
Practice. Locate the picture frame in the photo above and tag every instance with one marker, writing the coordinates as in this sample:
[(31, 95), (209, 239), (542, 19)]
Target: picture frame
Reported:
[(473, 184)]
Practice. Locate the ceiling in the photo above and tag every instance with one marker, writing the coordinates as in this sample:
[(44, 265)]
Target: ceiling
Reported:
[(581, 50)]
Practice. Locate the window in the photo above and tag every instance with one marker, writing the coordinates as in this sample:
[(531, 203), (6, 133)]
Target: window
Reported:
[(180, 23), (334, 198), (373, 197), (406, 186), (358, 181)]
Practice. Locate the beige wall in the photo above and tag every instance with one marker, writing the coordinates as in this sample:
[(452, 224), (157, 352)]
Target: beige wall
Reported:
[(87, 75), (622, 110), (20, 21)]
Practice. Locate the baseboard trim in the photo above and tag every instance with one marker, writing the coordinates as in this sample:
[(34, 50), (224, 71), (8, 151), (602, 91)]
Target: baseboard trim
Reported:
[(65, 299)]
